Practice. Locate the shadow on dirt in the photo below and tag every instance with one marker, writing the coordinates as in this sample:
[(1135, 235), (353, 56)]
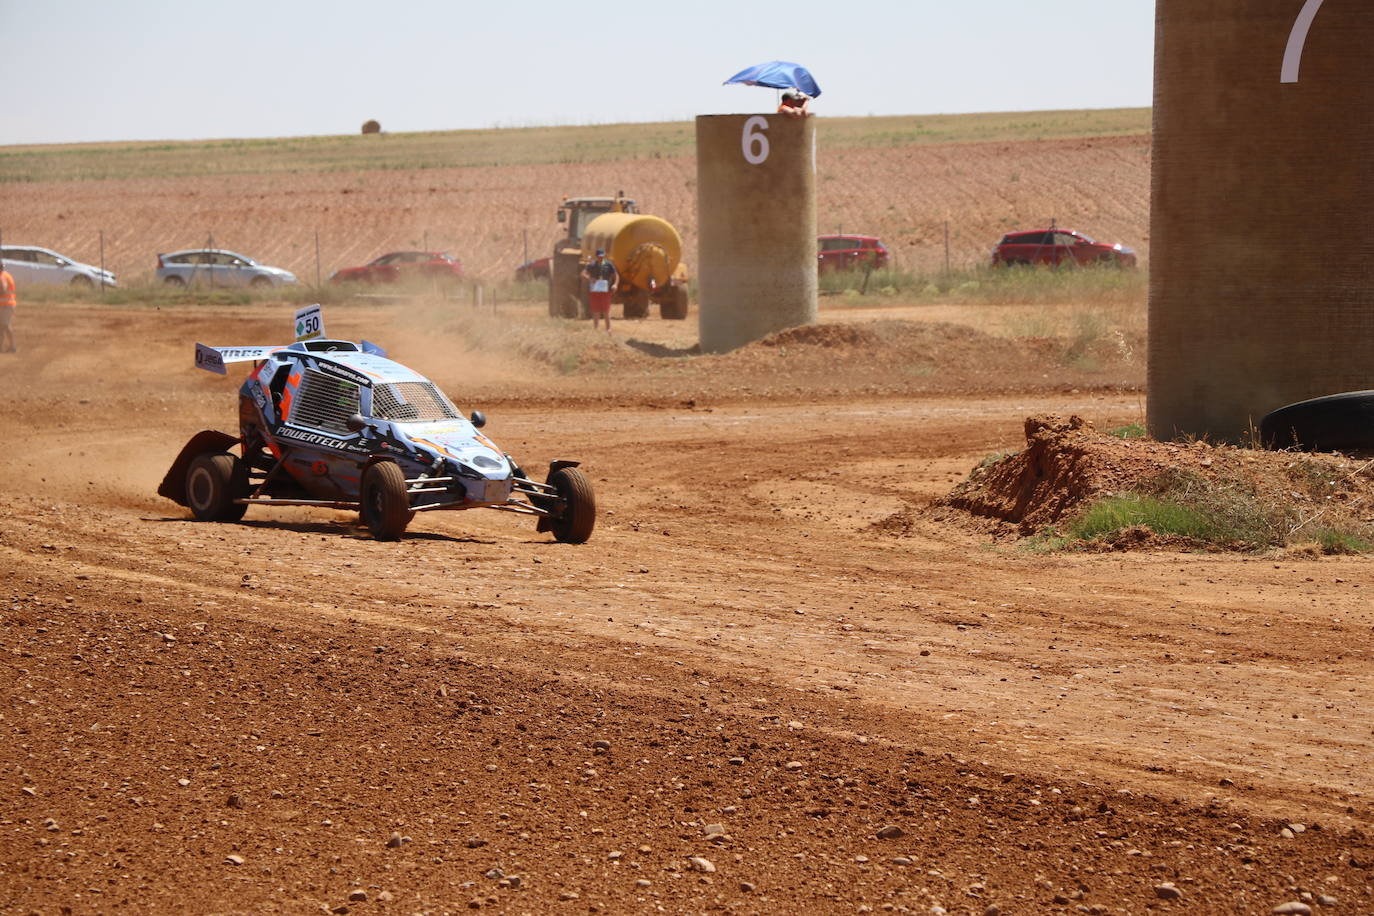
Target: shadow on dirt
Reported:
[(338, 529), (659, 350)]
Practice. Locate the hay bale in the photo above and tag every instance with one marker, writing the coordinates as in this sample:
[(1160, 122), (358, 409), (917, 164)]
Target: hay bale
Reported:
[(372, 127)]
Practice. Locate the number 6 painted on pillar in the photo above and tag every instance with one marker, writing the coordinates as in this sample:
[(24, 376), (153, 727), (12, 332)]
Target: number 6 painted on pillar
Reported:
[(753, 142)]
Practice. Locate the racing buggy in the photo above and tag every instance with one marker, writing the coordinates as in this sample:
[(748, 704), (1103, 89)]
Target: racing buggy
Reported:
[(335, 424)]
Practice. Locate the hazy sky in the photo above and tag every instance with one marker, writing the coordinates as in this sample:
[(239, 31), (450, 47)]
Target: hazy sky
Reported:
[(79, 70)]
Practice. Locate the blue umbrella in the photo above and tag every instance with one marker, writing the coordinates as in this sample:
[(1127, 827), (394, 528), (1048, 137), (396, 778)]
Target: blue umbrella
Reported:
[(778, 74)]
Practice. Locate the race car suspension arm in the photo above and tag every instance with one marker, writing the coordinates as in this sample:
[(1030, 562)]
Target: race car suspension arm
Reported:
[(543, 500), (256, 495)]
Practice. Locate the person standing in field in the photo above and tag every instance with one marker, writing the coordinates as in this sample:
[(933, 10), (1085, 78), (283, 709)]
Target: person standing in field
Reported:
[(602, 279), (8, 303), (794, 103)]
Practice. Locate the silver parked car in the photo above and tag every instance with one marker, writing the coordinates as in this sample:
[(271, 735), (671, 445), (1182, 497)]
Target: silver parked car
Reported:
[(217, 267), (41, 265)]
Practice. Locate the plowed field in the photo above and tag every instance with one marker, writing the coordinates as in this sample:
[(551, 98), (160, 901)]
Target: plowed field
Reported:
[(491, 216)]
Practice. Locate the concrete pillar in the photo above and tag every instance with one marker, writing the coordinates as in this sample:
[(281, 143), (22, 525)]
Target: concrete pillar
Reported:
[(756, 211), (1262, 210)]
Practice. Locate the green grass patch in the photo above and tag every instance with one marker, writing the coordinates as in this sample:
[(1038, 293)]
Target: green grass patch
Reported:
[(1227, 514), (1129, 431), (1186, 503), (1089, 286), (157, 294), (1332, 541), (1115, 513)]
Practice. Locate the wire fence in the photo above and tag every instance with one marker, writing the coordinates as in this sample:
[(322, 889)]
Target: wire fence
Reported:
[(919, 250)]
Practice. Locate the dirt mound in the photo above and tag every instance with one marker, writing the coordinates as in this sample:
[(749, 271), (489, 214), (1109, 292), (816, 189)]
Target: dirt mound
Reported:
[(822, 335), (1067, 465), (928, 355)]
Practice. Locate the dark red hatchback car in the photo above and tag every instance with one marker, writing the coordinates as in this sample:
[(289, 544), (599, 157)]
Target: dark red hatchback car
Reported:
[(403, 267), (849, 252), (1059, 246)]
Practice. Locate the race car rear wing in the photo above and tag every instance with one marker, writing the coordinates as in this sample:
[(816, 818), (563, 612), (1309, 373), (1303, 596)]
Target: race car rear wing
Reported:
[(309, 327), (213, 359)]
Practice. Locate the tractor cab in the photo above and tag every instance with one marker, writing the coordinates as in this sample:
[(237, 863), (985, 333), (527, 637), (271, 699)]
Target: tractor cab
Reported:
[(578, 212)]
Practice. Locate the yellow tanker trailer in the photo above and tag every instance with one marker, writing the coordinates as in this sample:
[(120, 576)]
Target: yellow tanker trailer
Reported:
[(647, 252)]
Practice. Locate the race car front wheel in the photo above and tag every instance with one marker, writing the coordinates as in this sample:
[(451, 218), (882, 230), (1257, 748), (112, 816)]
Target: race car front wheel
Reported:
[(385, 506), (213, 481), (574, 525)]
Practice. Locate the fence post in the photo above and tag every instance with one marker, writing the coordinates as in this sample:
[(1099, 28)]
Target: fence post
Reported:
[(102, 263)]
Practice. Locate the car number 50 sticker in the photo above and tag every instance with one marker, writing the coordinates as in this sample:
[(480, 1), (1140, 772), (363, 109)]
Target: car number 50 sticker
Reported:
[(1297, 39), (309, 323), (754, 142)]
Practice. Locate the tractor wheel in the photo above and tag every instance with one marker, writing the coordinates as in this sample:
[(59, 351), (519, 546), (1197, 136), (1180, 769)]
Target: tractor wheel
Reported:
[(578, 518), (674, 308), (213, 481), (385, 506), (1337, 422)]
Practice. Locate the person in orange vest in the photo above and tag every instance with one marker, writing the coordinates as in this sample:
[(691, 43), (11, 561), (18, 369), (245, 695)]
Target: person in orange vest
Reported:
[(7, 306)]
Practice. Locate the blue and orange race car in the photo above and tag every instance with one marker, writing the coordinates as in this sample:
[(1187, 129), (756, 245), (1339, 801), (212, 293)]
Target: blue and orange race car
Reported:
[(336, 424)]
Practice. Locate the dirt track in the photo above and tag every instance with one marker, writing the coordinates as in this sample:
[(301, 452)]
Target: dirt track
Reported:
[(783, 652)]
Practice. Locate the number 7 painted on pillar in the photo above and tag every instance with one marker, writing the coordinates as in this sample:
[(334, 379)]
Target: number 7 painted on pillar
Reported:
[(1297, 38)]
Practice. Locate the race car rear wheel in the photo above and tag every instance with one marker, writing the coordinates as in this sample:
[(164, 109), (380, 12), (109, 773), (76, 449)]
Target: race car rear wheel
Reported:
[(575, 523), (385, 507), (213, 481)]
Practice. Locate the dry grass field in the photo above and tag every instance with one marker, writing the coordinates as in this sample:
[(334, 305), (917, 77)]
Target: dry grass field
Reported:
[(489, 196)]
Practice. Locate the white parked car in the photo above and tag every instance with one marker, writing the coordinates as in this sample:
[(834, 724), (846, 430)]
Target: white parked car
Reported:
[(40, 265), (217, 267)]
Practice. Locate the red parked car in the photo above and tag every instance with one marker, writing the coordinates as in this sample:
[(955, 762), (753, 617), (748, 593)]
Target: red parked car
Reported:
[(1059, 246), (848, 252), (403, 267), (537, 269)]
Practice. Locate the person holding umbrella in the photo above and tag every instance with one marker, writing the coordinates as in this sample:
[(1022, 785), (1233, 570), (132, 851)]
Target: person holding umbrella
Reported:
[(797, 82)]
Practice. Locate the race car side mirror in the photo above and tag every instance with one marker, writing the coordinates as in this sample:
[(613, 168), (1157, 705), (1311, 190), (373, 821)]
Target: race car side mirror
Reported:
[(356, 423), (479, 419)]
